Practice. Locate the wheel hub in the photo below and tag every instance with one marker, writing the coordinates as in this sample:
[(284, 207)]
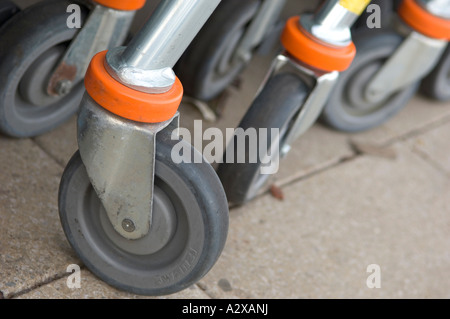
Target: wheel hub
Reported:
[(32, 87), (160, 233), (356, 92)]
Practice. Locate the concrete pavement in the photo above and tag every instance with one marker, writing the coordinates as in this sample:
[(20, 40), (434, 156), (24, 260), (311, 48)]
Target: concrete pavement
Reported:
[(344, 208)]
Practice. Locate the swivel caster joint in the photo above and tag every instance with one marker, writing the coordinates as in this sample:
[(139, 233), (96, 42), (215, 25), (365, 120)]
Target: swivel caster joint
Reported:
[(119, 156), (419, 52), (118, 147), (139, 221), (319, 47), (316, 49)]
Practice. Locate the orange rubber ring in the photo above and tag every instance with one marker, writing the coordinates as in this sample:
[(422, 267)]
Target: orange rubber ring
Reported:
[(424, 22), (126, 102), (128, 5), (314, 53)]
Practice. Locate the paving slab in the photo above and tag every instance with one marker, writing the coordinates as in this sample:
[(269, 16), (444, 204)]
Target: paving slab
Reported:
[(319, 241), (33, 248), (93, 288), (419, 113), (61, 143), (34, 252), (321, 145), (434, 145)]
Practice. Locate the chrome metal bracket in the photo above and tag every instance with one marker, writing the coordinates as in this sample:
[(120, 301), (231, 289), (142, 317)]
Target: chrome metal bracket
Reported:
[(105, 28), (148, 81), (323, 84), (119, 156), (264, 20), (332, 23), (414, 59), (440, 8), (146, 64)]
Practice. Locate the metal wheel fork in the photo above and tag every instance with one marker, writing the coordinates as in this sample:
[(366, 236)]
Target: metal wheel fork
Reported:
[(119, 154), (104, 29), (413, 60), (264, 20), (330, 25), (323, 84)]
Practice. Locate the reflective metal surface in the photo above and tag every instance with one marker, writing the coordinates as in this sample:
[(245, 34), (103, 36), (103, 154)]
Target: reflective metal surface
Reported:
[(331, 23), (440, 8), (264, 20), (104, 29), (168, 33), (119, 156), (322, 84), (148, 81), (415, 58)]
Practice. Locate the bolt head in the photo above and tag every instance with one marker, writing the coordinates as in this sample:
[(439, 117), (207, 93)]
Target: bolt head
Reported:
[(128, 225), (63, 87)]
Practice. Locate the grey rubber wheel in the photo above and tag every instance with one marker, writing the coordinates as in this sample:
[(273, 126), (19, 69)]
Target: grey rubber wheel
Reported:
[(207, 67), (32, 43), (7, 10), (188, 232), (437, 84), (275, 107), (347, 108)]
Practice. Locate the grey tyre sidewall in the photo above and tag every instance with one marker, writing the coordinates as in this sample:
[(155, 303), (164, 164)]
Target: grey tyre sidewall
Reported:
[(198, 190), (197, 68), (369, 49), (22, 52), (7, 10), (275, 107)]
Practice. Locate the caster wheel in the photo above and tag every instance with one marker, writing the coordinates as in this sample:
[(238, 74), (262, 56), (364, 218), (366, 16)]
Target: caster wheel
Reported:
[(207, 66), (188, 232), (32, 43), (347, 108), (7, 10), (275, 107), (437, 84)]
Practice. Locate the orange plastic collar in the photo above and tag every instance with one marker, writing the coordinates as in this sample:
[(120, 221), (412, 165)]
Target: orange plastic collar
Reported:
[(126, 5), (126, 102), (424, 22), (314, 53)]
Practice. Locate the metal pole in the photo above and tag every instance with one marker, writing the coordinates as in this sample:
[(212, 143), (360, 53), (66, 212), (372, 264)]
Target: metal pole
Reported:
[(332, 22), (168, 33)]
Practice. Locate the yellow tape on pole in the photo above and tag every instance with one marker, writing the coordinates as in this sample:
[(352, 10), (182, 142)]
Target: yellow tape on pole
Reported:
[(355, 6)]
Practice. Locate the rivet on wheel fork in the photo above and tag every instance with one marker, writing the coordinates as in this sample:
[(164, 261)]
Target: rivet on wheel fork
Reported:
[(63, 87), (128, 225), (119, 156)]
